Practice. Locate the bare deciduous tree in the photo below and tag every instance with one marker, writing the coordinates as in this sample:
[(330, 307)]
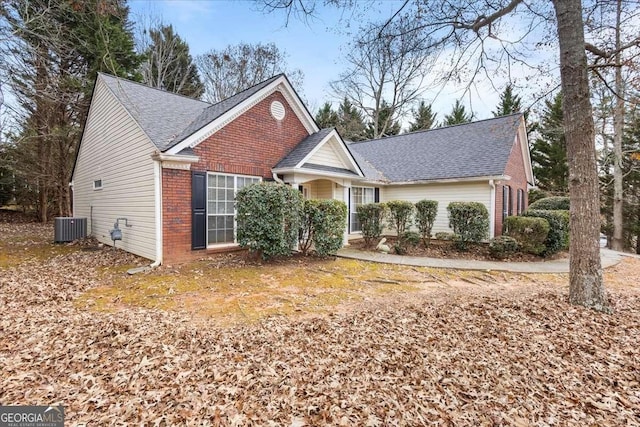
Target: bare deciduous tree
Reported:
[(237, 67), (386, 69)]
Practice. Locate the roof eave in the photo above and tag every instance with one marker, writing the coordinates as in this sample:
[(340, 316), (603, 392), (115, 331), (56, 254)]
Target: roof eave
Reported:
[(316, 172)]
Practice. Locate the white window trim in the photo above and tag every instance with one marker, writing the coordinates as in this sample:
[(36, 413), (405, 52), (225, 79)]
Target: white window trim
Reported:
[(352, 208), (98, 187), (235, 212)]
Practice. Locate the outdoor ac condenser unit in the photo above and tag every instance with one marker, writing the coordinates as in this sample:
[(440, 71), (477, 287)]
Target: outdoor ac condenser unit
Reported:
[(68, 229)]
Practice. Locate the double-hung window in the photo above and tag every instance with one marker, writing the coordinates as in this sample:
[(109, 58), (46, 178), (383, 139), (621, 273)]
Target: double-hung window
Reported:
[(359, 196), (221, 212)]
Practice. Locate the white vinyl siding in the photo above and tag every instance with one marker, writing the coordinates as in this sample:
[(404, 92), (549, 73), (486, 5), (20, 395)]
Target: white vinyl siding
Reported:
[(443, 194), (221, 212), (115, 151), (327, 155)]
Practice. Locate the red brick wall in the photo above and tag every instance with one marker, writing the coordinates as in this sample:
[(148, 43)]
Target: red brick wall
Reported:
[(516, 170), (251, 144)]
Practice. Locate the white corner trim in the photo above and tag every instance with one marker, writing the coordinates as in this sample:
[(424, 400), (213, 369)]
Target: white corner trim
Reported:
[(492, 206), (280, 85), (157, 181)]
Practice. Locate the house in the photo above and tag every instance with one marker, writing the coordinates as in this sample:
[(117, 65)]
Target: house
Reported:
[(171, 165)]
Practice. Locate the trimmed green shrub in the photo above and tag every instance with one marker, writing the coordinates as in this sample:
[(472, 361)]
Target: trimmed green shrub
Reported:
[(470, 221), (554, 203), (536, 194), (502, 246), (371, 217), (446, 236), (325, 221), (411, 238), (558, 237), (400, 216), (426, 211), (269, 218), (530, 232)]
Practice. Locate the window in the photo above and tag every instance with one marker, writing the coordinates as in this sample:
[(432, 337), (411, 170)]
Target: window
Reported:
[(506, 193), (359, 196), (520, 203), (221, 212), (97, 184)]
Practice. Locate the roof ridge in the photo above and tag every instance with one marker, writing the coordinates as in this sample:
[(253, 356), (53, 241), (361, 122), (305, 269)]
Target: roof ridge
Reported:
[(154, 88), (438, 128), (249, 88)]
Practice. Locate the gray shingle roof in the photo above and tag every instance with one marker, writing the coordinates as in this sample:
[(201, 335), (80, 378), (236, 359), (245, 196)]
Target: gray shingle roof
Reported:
[(216, 110), (162, 115), (329, 169), (303, 149), (463, 151), (168, 118)]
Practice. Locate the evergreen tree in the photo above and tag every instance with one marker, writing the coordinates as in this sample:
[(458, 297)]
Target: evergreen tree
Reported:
[(631, 183), (384, 120), (168, 64), (457, 116), (549, 152), (423, 118), (350, 122), (326, 117), (509, 103)]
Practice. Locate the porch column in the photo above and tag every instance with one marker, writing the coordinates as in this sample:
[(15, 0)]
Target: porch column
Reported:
[(345, 197)]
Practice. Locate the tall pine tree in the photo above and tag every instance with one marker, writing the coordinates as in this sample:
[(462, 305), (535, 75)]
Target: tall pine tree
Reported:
[(168, 65), (423, 118), (326, 117), (549, 151), (350, 122), (509, 103), (458, 115), (385, 120)]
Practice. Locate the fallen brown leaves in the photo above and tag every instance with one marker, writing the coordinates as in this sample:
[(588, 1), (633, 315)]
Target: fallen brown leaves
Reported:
[(467, 358)]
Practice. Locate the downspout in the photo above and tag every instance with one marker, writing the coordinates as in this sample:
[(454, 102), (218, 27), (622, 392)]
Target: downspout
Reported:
[(492, 204), (157, 178), (277, 178)]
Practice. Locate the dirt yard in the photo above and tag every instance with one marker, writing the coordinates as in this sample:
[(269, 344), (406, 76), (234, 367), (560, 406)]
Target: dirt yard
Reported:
[(308, 342)]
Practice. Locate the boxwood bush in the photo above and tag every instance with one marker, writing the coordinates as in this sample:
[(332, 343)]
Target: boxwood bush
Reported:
[(558, 237), (470, 221), (268, 218), (371, 217), (530, 232), (554, 203), (426, 211), (502, 246)]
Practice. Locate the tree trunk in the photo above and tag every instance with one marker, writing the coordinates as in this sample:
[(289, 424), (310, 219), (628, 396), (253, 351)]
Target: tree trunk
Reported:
[(585, 272), (618, 122)]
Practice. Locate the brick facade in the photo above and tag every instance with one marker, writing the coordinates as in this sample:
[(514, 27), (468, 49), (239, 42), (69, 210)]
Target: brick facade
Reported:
[(516, 170), (250, 145)]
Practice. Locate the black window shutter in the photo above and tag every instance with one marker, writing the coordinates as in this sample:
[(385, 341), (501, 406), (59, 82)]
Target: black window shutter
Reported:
[(510, 201), (198, 210), (505, 201), (300, 188), (376, 195)]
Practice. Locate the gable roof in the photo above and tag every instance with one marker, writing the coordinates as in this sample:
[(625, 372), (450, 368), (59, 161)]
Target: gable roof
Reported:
[(303, 149), (214, 111), (477, 149), (160, 114), (302, 155), (169, 119)]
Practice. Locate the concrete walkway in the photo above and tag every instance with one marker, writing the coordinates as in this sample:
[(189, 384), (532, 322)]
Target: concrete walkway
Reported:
[(609, 258)]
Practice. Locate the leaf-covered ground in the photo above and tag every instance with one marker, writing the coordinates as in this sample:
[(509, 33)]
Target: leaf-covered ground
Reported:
[(447, 349)]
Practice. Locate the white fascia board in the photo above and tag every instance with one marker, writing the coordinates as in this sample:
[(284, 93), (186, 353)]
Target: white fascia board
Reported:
[(175, 158), (342, 145), (314, 172), (454, 180), (280, 84), (526, 155)]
